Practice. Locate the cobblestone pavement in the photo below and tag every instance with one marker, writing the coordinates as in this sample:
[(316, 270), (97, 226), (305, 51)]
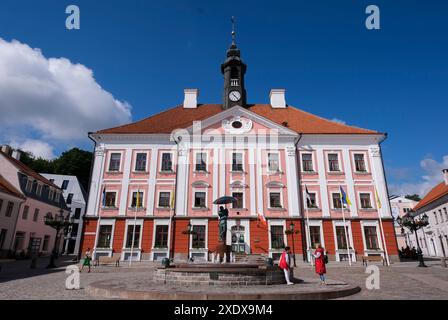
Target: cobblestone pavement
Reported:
[(399, 281)]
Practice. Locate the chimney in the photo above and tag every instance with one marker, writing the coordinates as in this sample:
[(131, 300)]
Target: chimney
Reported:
[(16, 154), (6, 149), (445, 176), (277, 97), (191, 98)]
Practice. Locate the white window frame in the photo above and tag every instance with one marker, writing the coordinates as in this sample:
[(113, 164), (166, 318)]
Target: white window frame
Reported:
[(116, 199), (161, 161), (134, 164), (313, 161), (199, 189), (243, 162), (240, 190), (314, 223), (195, 153), (372, 200), (160, 222), (276, 222), (275, 190), (57, 196), (158, 199), (366, 163), (340, 164), (29, 185), (125, 250), (39, 189), (268, 170), (332, 204), (204, 251), (50, 194), (108, 251), (348, 224), (109, 158), (131, 194), (316, 197), (365, 223)]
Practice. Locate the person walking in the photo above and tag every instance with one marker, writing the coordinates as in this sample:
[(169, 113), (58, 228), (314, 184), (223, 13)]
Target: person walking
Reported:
[(87, 260), (285, 263), (319, 262)]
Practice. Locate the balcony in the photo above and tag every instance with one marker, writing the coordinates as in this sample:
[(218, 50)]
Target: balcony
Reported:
[(234, 82)]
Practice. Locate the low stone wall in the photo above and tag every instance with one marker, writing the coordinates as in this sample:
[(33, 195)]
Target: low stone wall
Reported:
[(224, 277)]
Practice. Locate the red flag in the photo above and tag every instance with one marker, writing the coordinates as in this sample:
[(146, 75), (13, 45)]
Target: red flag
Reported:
[(262, 219)]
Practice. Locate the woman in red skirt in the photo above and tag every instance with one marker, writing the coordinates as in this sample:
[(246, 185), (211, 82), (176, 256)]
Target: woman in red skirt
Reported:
[(319, 262)]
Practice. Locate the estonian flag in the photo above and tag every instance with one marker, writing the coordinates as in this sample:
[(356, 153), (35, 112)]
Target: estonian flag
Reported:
[(344, 198), (308, 197), (104, 197)]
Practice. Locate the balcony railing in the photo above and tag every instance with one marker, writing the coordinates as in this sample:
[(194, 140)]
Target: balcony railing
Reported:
[(234, 82)]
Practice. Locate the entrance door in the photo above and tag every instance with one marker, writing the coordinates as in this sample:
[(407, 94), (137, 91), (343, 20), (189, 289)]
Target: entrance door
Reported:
[(238, 241)]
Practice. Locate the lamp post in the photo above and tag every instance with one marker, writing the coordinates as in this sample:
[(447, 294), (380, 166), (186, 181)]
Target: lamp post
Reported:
[(189, 231), (413, 224), (292, 232), (57, 222)]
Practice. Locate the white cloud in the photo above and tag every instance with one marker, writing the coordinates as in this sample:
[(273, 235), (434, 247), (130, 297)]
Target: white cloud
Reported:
[(52, 99), (36, 147), (431, 177), (338, 121)]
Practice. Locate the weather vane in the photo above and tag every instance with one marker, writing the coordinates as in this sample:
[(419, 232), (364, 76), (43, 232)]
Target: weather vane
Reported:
[(233, 30)]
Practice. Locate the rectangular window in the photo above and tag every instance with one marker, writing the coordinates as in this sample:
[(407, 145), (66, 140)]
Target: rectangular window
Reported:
[(140, 162), (201, 161), (57, 196), (2, 237), (29, 186), (19, 240), (50, 194), (333, 162), (360, 165), (311, 201), (9, 209), (167, 162), (435, 217), (277, 237), (1, 205), (46, 243), (36, 215), (273, 162), (337, 203), (77, 214), (199, 200), (365, 200), (161, 240), (274, 200), (239, 200), (371, 238), (26, 209), (64, 185), (315, 236), (307, 162), (74, 230), (134, 199), (104, 236), (133, 232), (237, 161), (164, 200), (444, 210), (198, 237), (441, 216), (114, 164), (340, 236), (110, 199), (39, 190)]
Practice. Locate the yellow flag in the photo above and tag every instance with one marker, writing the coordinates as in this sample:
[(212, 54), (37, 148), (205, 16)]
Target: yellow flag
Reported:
[(137, 205), (172, 200), (378, 199)]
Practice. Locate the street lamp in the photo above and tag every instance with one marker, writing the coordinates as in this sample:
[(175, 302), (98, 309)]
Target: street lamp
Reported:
[(189, 231), (292, 231), (57, 222), (412, 223)]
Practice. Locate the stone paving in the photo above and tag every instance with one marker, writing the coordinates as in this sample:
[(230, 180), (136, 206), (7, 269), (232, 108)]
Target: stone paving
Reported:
[(399, 281)]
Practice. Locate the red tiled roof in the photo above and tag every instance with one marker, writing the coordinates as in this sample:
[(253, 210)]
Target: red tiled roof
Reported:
[(8, 188), (179, 117), (436, 193), (28, 171)]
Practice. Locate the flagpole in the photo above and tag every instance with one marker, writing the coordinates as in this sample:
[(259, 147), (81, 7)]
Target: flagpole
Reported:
[(345, 228), (133, 229), (308, 235), (383, 238), (170, 225)]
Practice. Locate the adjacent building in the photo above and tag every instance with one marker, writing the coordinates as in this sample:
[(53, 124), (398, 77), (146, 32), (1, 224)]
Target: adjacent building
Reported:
[(75, 199), (401, 206), (154, 181), (433, 239), (35, 197)]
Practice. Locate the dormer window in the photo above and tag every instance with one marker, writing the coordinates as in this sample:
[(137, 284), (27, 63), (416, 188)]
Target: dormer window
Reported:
[(51, 194), (29, 185)]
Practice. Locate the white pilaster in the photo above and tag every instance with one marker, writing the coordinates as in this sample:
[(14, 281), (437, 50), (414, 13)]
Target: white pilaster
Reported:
[(258, 161), (152, 182), (379, 180), (215, 178), (323, 182), (292, 181), (125, 182), (95, 185), (253, 209), (350, 182), (182, 180)]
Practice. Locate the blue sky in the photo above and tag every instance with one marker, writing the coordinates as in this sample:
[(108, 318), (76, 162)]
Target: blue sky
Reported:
[(145, 53)]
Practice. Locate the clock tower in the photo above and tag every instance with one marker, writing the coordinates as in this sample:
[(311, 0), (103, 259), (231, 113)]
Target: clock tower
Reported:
[(233, 70)]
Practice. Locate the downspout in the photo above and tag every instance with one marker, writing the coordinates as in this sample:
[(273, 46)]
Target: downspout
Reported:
[(87, 200)]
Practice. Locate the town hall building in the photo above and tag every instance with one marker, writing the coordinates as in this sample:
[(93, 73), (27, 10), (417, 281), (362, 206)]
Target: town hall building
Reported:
[(154, 181)]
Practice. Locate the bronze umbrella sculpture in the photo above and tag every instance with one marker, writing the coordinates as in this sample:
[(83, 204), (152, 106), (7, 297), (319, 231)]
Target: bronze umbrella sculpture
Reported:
[(223, 214)]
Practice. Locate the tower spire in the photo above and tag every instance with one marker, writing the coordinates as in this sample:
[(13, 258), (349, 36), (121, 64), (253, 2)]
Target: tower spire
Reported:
[(233, 31)]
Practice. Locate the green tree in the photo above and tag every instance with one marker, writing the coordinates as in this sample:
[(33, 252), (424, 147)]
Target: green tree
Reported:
[(414, 197)]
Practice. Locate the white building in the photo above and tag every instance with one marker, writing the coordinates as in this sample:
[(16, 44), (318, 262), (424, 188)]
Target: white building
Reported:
[(400, 206), (75, 198), (433, 239)]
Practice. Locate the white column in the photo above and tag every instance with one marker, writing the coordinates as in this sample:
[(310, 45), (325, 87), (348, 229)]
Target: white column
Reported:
[(215, 179), (260, 189), (95, 185), (125, 182), (252, 186), (292, 181), (152, 182), (378, 177), (222, 172), (350, 183), (182, 180), (322, 182)]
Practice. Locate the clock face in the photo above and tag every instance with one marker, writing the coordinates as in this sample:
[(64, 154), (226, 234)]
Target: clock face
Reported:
[(234, 95)]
